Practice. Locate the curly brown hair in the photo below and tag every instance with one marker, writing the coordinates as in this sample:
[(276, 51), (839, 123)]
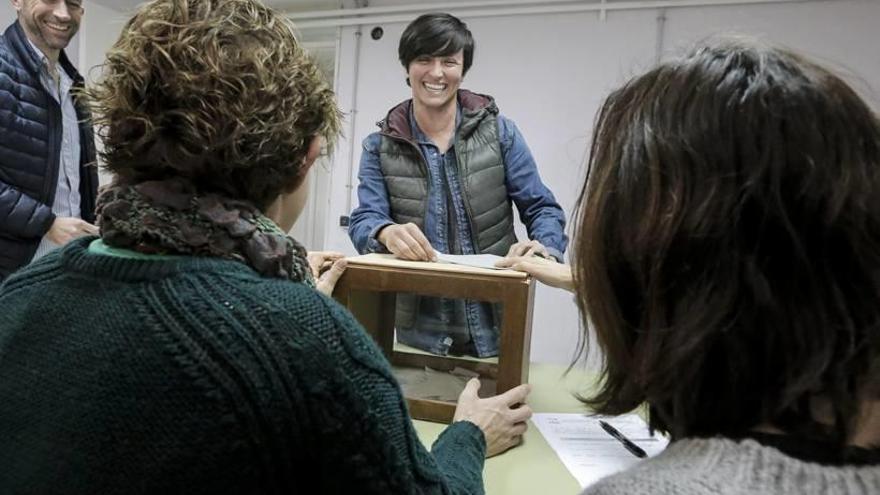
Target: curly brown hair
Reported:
[(218, 92)]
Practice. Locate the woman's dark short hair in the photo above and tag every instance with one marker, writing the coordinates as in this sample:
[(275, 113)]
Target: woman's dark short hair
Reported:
[(728, 248), (218, 92), (436, 35)]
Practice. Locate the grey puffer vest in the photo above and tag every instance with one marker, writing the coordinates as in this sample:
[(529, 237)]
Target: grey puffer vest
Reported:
[(480, 165)]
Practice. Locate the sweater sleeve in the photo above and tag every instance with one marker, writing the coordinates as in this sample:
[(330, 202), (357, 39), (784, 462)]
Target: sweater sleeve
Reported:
[(457, 458), (361, 426)]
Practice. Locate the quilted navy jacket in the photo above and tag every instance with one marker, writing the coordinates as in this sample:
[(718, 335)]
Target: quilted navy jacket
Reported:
[(30, 140)]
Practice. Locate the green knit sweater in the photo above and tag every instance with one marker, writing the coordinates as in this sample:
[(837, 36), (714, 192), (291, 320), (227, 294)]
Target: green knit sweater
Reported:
[(194, 375)]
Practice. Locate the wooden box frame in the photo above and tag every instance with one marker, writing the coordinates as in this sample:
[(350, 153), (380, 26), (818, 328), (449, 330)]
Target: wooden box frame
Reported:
[(369, 288)]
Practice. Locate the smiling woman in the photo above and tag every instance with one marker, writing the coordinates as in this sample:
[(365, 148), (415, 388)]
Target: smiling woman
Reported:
[(441, 175), (437, 51), (435, 80)]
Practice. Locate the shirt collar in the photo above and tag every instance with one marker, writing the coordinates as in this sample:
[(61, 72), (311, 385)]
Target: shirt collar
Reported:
[(417, 133), (42, 56), (45, 60)]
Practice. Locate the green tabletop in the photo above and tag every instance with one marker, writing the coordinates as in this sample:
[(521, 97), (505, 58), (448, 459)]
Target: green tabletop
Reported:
[(533, 467)]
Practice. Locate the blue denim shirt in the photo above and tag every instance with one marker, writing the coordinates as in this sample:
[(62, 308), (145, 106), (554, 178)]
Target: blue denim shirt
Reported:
[(456, 325)]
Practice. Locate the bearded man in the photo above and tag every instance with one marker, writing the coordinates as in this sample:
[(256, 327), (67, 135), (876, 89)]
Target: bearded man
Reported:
[(48, 181)]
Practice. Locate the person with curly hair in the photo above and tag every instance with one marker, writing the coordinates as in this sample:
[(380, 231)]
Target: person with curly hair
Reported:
[(186, 350), (727, 255)]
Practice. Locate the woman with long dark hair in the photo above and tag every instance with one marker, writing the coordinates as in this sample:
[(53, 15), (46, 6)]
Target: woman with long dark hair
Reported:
[(727, 256)]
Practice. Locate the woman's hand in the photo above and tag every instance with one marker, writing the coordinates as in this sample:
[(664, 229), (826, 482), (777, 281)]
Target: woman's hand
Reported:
[(406, 241), (327, 267), (502, 423), (528, 248), (547, 271)]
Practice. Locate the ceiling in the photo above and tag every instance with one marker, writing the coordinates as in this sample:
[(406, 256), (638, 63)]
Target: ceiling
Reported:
[(320, 5), (287, 5)]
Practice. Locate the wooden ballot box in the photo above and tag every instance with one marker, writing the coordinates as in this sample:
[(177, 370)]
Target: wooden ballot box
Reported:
[(369, 289)]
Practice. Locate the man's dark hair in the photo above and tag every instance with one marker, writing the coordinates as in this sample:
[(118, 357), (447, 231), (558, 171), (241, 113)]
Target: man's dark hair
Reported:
[(436, 35), (728, 248)]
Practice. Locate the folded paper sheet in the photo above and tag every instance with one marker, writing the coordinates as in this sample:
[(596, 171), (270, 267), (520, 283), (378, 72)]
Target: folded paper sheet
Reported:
[(388, 260), (476, 260)]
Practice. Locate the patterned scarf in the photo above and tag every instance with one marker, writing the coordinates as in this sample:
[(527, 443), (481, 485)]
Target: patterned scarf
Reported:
[(170, 217)]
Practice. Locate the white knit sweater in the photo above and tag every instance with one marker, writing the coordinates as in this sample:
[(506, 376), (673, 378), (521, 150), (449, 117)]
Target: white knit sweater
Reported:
[(727, 467)]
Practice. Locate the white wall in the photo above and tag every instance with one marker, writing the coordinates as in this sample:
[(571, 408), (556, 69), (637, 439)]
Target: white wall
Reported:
[(549, 73), (100, 28), (841, 34), (7, 14)]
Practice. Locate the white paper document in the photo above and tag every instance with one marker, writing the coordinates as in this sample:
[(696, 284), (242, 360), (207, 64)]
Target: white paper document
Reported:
[(477, 260), (588, 451)]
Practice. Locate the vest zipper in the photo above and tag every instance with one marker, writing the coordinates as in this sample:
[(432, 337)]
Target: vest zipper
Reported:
[(422, 163)]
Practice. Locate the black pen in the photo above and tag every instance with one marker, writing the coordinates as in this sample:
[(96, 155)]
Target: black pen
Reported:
[(627, 443)]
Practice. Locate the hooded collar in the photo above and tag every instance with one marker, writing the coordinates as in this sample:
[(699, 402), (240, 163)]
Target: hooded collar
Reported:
[(474, 106)]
